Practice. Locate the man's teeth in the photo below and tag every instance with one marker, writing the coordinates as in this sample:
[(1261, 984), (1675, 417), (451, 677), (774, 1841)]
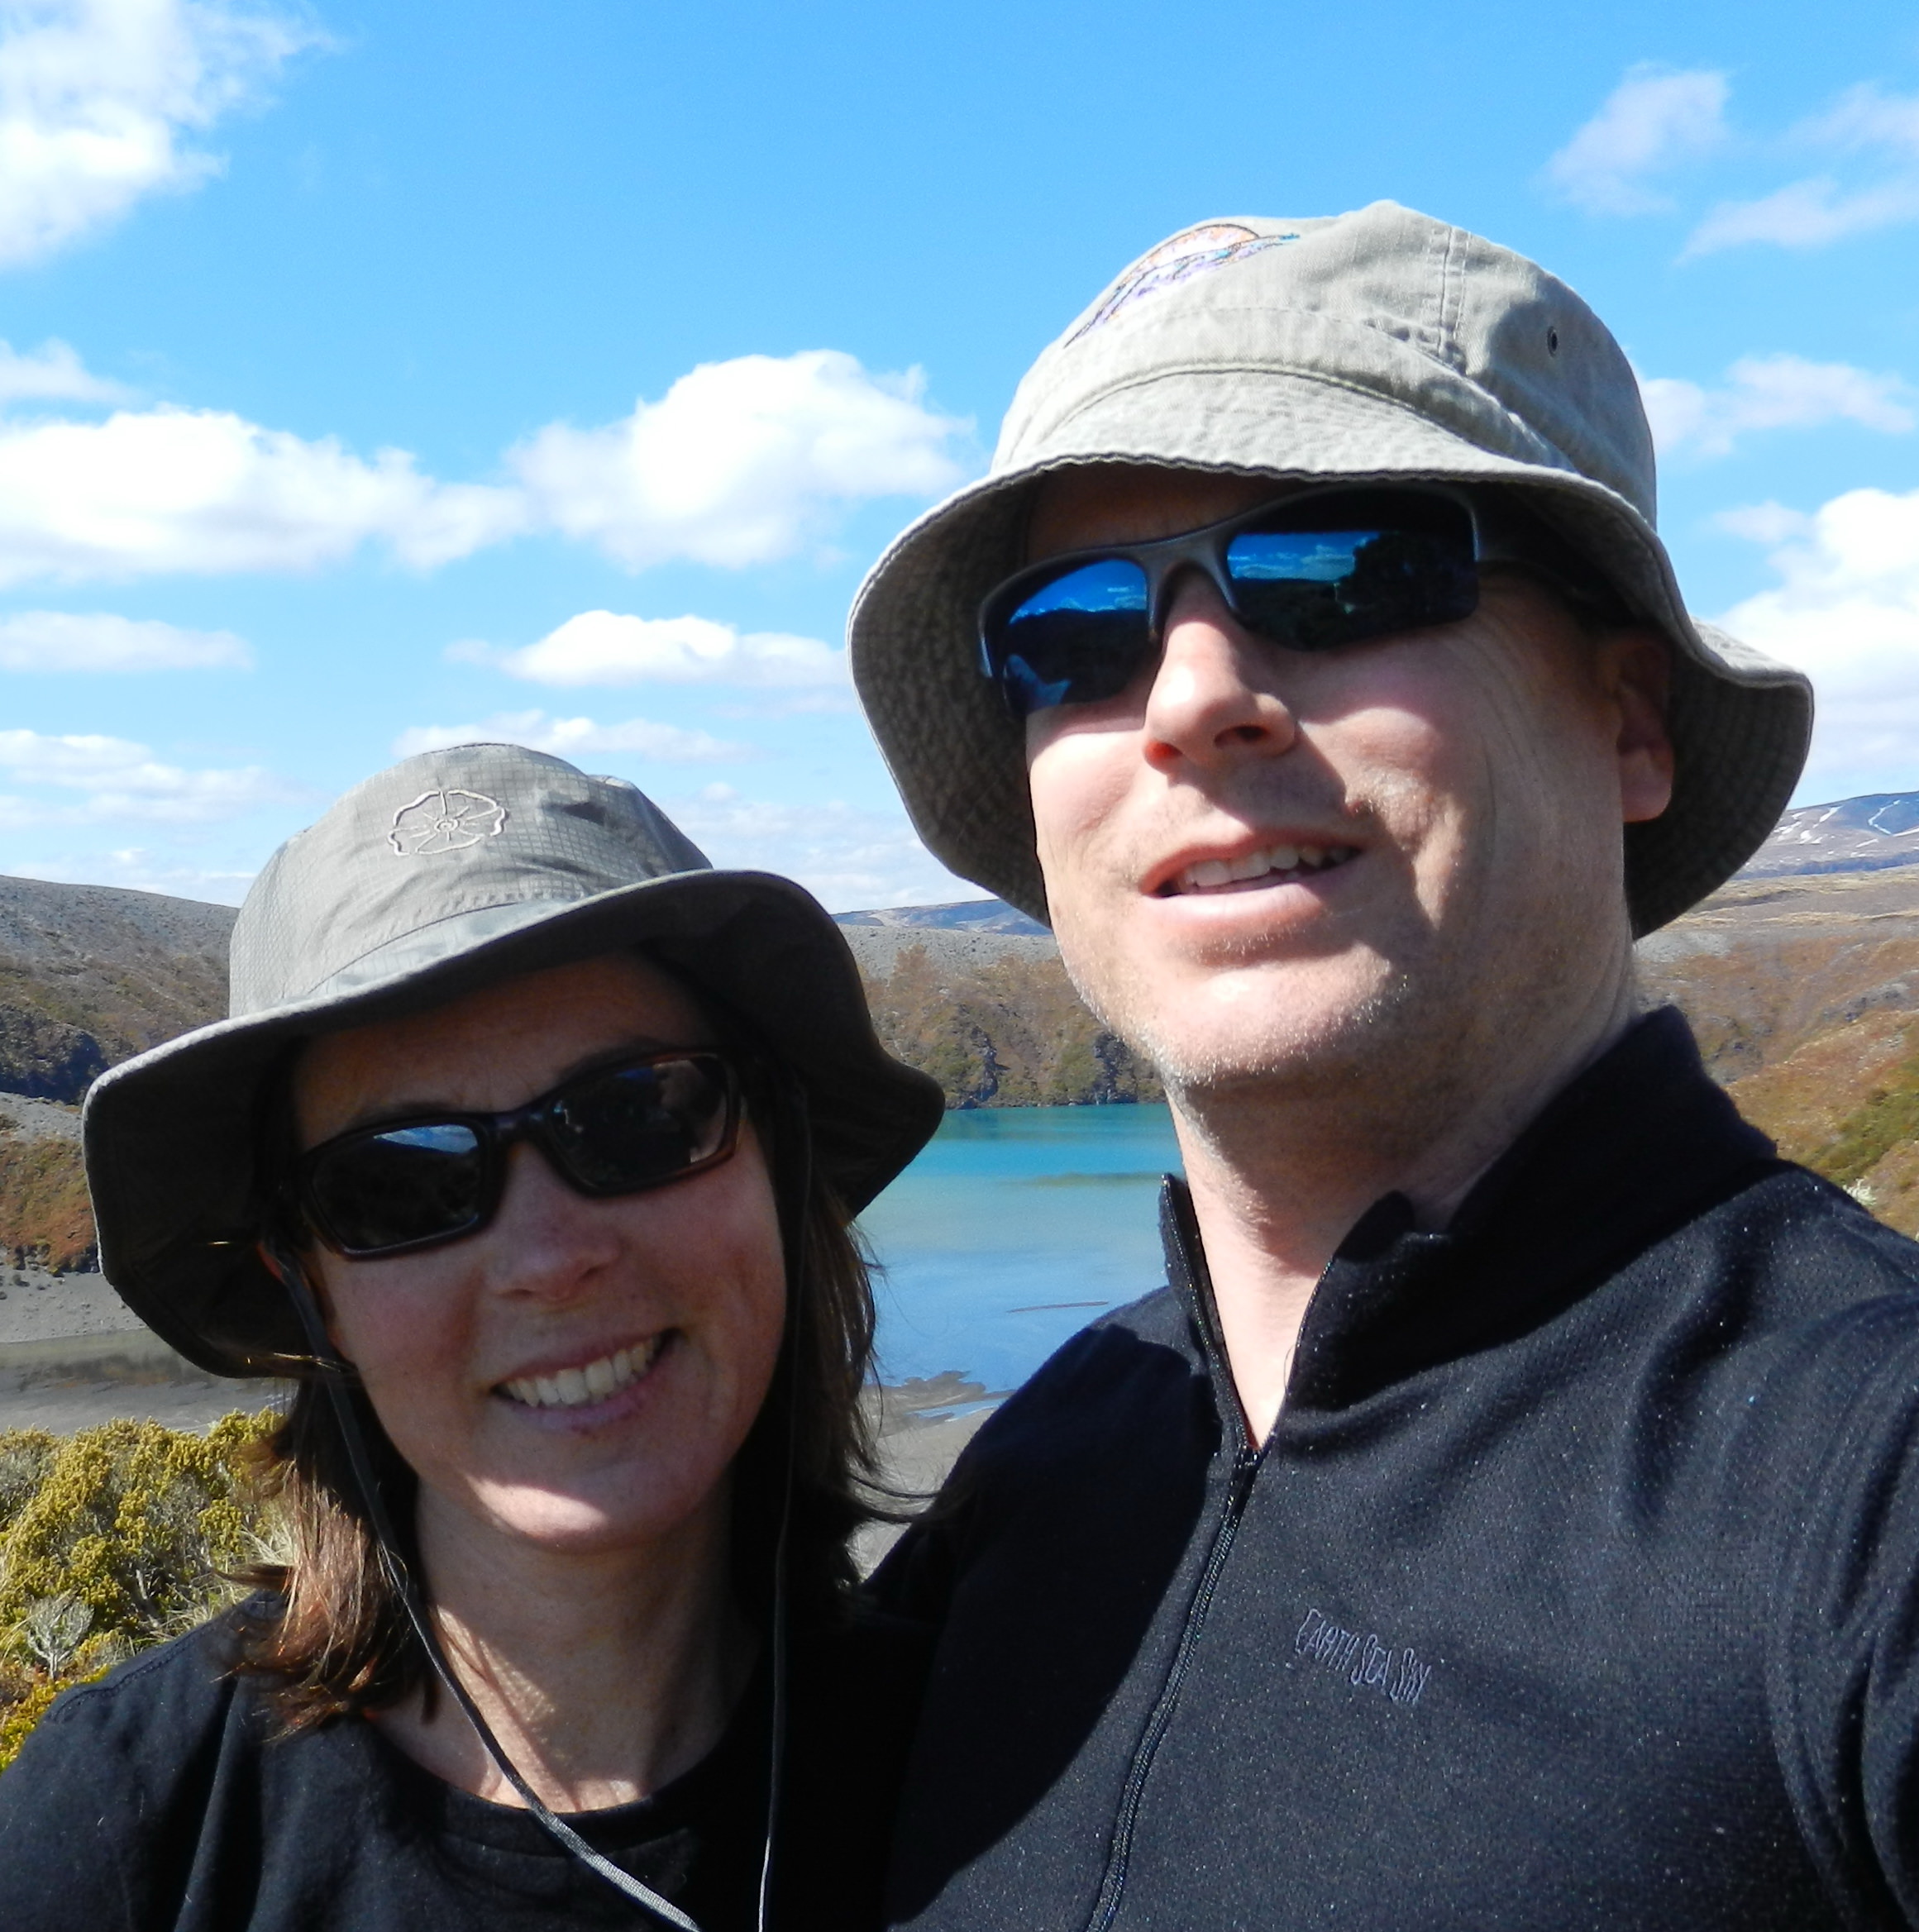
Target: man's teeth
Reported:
[(569, 1387), (1208, 875)]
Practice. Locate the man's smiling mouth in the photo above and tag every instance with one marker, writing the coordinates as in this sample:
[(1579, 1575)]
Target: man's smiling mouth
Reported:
[(1272, 865), (592, 1382)]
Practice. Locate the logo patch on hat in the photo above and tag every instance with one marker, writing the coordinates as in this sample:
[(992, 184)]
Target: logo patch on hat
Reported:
[(445, 822), (1193, 253)]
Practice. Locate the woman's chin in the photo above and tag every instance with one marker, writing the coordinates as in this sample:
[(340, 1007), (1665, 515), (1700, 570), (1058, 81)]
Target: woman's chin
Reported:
[(632, 1512)]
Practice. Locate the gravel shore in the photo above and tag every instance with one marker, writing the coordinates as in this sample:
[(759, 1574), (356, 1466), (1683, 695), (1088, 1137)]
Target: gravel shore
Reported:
[(72, 1355), (35, 1306)]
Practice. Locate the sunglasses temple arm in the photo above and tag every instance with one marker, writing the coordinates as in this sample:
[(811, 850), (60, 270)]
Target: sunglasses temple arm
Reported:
[(337, 1376)]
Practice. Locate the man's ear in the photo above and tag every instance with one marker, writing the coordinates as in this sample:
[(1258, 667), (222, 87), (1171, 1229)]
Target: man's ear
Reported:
[(1637, 666)]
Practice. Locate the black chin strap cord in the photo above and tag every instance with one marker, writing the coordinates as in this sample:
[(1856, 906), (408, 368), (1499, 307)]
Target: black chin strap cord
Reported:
[(793, 1158), (338, 1377)]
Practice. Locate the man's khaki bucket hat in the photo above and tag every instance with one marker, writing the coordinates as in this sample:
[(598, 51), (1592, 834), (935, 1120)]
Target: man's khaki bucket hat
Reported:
[(1382, 345), (449, 872)]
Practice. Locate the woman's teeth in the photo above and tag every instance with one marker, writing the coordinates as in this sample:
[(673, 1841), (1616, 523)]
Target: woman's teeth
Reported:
[(1277, 861), (569, 1387)]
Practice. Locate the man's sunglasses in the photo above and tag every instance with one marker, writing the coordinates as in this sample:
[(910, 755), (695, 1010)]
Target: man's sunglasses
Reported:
[(614, 1129), (1316, 571)]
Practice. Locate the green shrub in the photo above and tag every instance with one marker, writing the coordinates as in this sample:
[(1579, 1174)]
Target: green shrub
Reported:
[(1866, 1136), (24, 1455), (112, 1539)]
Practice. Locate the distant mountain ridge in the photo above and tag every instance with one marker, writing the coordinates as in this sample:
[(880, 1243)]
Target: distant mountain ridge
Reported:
[(1848, 835), (965, 915), (1845, 835), (90, 974), (1804, 992)]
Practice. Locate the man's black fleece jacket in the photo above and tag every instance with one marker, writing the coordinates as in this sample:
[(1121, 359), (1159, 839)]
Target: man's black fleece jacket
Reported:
[(1575, 1586)]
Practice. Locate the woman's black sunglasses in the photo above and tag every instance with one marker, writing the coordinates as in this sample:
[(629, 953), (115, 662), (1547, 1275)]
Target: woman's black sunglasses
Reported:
[(614, 1129), (1316, 571)]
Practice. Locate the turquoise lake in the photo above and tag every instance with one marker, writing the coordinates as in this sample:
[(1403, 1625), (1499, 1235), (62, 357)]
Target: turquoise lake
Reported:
[(1016, 1226)]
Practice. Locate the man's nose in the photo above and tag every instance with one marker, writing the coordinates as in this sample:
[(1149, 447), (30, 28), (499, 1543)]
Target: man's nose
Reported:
[(1212, 700), (545, 1240)]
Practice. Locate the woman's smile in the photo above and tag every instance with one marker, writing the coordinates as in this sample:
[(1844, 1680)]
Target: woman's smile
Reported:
[(591, 1462), (580, 1371), (584, 1385)]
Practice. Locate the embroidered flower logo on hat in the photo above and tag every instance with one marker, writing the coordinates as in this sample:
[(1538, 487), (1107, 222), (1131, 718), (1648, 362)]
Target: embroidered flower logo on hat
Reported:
[(445, 822), (1210, 246)]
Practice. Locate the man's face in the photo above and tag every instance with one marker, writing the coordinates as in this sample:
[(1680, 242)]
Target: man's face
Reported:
[(1431, 822)]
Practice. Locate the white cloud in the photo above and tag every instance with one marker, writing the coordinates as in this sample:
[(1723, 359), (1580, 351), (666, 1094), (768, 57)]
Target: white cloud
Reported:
[(50, 373), (736, 464), (740, 462), (138, 869), (96, 640), (1868, 117), (575, 737), (1768, 524), (849, 858), (99, 100), (1771, 392), (603, 647), (123, 780), (203, 491), (1806, 214), (1846, 611), (1809, 213), (1653, 120)]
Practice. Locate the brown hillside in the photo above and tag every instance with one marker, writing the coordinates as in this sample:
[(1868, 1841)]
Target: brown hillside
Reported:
[(1006, 1031), (45, 1215), (1805, 996), (89, 975), (1765, 966), (1804, 993)]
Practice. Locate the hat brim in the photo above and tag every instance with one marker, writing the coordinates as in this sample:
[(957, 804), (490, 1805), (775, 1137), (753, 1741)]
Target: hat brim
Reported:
[(1740, 723), (172, 1136)]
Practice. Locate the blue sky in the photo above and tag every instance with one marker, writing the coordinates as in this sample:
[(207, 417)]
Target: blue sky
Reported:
[(380, 371)]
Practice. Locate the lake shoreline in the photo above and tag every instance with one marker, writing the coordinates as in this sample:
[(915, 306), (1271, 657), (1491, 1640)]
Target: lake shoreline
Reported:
[(1014, 1229), (64, 1383)]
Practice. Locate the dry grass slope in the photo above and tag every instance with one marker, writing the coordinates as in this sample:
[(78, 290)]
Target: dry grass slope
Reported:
[(1005, 1032), (89, 974), (1805, 996), (44, 1214)]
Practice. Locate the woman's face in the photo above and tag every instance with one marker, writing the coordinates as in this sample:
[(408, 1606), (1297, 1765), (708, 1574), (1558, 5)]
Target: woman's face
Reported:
[(684, 1283)]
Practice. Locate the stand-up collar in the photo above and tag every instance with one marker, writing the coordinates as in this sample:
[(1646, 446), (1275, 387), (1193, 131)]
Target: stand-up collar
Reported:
[(1638, 1143)]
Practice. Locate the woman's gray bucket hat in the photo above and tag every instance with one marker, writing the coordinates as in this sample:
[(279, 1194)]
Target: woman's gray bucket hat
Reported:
[(449, 872), (1380, 345)]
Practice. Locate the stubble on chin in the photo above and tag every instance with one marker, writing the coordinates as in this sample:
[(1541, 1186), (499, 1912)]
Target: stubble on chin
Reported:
[(1379, 1064)]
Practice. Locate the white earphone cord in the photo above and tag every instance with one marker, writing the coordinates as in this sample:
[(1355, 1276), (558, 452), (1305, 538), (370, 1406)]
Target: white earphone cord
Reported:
[(335, 1374)]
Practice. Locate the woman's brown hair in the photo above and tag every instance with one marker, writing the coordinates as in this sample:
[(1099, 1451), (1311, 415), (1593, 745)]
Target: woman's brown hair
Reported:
[(329, 1626)]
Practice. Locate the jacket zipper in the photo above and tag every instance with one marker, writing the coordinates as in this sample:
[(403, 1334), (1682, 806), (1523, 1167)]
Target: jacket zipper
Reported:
[(1196, 1290), (1113, 1884)]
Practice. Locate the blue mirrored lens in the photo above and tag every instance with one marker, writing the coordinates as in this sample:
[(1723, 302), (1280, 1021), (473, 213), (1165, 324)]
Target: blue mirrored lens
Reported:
[(638, 1126), (1112, 585), (405, 1185), (438, 1137), (1323, 589), (1308, 556), (1078, 638)]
